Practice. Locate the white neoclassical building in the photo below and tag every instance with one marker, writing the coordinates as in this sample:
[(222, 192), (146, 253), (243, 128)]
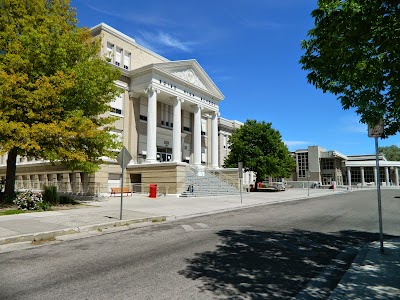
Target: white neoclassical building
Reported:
[(167, 118)]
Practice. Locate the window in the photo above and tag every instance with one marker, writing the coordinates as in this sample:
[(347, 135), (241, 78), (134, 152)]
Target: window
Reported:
[(117, 105), (327, 164), (355, 175), (203, 127), (118, 56), (166, 115), (203, 155), (110, 52), (117, 136), (302, 164), (369, 175), (127, 61), (186, 121), (143, 109)]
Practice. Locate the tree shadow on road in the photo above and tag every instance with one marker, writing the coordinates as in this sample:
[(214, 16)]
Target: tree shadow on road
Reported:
[(252, 264)]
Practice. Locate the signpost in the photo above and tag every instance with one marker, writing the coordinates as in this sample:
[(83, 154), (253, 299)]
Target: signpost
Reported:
[(308, 182), (376, 132), (240, 167), (123, 158)]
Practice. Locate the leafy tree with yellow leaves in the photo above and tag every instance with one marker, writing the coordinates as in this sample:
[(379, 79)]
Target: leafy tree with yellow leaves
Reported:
[(54, 88)]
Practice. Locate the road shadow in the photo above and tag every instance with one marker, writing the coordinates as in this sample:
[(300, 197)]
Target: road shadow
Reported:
[(252, 264)]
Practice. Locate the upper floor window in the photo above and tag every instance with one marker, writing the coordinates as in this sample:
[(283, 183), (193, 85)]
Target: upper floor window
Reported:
[(127, 61), (166, 115), (203, 127), (327, 164), (110, 52), (117, 105), (118, 57), (186, 121), (143, 109)]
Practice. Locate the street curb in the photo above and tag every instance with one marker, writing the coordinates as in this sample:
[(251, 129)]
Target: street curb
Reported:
[(222, 210), (327, 280), (340, 290), (50, 235)]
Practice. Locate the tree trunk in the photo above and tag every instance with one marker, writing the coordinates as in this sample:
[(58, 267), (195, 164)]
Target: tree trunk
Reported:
[(11, 170)]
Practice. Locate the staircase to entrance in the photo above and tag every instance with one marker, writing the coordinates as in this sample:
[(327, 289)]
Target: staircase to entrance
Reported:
[(203, 182)]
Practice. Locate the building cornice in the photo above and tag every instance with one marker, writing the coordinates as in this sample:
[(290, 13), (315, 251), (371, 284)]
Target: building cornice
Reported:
[(104, 27)]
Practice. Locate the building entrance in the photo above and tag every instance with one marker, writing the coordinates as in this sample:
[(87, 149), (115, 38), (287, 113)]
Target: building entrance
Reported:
[(164, 154)]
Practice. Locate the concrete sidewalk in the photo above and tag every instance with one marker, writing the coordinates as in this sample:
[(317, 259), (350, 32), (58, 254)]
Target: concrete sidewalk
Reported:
[(372, 275)]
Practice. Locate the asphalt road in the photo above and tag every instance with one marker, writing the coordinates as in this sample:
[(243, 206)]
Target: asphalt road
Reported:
[(268, 252)]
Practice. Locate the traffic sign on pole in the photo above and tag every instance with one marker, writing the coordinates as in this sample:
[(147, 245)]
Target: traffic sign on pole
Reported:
[(375, 131), (124, 157)]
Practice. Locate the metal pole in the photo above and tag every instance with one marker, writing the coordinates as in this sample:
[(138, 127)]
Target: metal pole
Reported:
[(240, 169), (241, 191), (378, 188), (122, 185), (122, 168), (308, 183)]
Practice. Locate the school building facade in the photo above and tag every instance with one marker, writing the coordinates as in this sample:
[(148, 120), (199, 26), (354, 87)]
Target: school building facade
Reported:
[(317, 164), (168, 118)]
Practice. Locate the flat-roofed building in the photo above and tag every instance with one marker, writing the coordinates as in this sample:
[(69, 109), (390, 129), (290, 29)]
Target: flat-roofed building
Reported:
[(328, 167)]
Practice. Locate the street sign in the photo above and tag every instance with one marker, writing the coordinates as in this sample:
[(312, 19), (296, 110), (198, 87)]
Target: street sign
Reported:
[(240, 167), (124, 157), (375, 131)]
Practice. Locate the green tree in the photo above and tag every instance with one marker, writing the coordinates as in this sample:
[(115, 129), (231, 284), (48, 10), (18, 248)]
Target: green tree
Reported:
[(353, 53), (261, 150), (391, 152), (53, 87)]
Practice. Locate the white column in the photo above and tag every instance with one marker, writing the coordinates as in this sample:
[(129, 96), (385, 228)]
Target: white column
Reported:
[(214, 140), (387, 176), (176, 131), (396, 176), (375, 176), (362, 176), (197, 136), (349, 176), (152, 124)]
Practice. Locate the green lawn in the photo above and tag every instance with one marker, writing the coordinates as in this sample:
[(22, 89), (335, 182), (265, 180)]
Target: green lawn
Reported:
[(12, 212)]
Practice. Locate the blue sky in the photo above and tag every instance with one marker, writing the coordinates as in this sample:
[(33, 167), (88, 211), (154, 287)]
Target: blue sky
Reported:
[(251, 49)]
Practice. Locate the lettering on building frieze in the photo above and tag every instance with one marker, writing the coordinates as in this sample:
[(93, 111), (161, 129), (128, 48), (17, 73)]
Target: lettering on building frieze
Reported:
[(187, 93)]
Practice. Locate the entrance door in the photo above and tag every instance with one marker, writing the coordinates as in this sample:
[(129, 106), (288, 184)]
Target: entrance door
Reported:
[(164, 154)]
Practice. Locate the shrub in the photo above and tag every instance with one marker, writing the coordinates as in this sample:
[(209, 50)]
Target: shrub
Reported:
[(50, 195), (29, 200), (67, 200), (45, 206)]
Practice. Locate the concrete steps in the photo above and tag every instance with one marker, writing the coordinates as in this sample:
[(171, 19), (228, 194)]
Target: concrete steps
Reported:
[(203, 184)]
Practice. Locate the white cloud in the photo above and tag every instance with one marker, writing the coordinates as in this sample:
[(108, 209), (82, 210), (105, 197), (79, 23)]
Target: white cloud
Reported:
[(160, 40)]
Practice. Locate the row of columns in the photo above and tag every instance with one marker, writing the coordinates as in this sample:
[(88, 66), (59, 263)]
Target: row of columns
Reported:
[(152, 92), (396, 176)]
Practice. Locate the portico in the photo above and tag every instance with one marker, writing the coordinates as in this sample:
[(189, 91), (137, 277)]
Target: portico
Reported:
[(366, 173), (179, 109)]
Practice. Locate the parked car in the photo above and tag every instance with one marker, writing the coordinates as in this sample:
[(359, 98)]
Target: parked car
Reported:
[(279, 186)]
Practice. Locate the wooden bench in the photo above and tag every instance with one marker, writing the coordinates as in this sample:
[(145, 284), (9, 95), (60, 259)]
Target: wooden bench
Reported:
[(118, 190)]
